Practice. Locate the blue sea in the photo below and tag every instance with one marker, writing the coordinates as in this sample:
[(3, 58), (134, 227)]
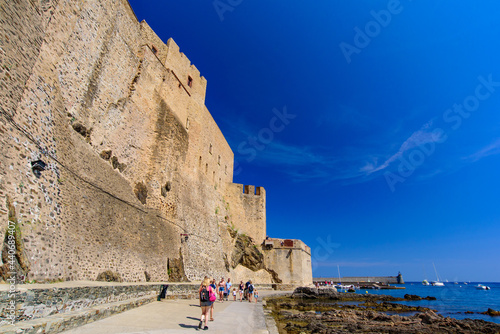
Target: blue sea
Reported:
[(452, 299)]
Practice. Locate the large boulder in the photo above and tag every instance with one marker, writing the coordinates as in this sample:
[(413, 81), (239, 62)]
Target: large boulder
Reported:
[(313, 293)]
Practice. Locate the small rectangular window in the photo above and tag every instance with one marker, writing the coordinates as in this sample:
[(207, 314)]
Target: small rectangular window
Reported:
[(153, 48), (190, 82)]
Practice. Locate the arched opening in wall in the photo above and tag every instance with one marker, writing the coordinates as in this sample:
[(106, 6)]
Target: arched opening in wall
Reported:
[(190, 81)]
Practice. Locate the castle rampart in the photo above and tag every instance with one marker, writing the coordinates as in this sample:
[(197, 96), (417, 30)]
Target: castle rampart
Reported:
[(248, 209)]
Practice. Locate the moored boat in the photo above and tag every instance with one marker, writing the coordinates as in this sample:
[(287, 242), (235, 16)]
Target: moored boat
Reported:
[(482, 287)]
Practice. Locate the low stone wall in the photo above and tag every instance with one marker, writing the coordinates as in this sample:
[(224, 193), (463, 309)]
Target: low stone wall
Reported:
[(39, 303), (80, 302)]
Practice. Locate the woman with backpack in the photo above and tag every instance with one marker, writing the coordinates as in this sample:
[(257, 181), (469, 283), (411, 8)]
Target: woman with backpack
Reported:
[(205, 294)]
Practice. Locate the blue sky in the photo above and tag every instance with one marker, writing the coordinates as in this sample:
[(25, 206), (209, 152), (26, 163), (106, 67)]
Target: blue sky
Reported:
[(374, 126)]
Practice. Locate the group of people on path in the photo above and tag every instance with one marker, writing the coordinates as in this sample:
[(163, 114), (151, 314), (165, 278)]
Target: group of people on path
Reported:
[(209, 290)]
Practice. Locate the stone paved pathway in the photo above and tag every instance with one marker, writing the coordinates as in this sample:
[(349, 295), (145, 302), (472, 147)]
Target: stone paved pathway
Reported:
[(181, 316)]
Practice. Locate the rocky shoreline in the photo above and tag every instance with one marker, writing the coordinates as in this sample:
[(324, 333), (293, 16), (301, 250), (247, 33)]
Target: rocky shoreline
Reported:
[(310, 310)]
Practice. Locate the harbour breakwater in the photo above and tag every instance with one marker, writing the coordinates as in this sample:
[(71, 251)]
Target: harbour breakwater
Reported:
[(310, 310), (362, 280)]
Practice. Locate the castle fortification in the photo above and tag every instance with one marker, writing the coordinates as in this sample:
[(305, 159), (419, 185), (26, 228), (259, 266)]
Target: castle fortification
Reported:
[(110, 160)]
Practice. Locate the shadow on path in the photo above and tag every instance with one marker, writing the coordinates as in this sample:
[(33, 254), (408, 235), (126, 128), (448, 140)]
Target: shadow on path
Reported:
[(188, 326)]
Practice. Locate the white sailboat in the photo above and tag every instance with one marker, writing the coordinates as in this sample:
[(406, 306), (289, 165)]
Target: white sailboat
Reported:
[(345, 288), (436, 282)]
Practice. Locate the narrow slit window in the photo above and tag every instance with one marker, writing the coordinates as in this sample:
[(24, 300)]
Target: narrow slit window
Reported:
[(190, 82), (154, 49), (210, 149)]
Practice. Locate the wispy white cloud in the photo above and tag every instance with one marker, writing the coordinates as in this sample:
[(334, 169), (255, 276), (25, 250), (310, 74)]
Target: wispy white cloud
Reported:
[(423, 136), (491, 149)]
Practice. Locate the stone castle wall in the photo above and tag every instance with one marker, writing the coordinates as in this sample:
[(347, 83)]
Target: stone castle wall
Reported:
[(139, 176)]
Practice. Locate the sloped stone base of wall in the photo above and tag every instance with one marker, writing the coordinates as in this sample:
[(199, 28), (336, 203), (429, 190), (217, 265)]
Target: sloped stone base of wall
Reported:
[(64, 321), (53, 308)]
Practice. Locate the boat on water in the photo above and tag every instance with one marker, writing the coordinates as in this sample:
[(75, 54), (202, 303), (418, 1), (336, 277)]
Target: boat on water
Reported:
[(482, 287), (425, 282), (437, 282)]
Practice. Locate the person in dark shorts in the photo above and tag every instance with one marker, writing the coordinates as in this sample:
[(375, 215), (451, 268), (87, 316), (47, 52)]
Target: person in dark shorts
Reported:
[(213, 285), (205, 303)]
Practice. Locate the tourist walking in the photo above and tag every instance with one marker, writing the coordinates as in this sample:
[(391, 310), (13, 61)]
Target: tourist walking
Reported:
[(204, 293), (241, 289), (213, 286), (256, 295), (222, 287), (228, 288), (250, 291), (246, 290)]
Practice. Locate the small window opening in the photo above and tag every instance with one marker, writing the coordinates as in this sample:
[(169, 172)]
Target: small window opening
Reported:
[(190, 81), (154, 49)]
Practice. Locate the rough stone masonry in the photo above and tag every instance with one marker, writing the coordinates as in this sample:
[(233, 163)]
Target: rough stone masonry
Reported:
[(110, 161)]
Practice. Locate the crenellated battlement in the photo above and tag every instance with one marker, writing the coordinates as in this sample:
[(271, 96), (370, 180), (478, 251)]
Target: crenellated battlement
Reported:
[(253, 190), (187, 73), (171, 57)]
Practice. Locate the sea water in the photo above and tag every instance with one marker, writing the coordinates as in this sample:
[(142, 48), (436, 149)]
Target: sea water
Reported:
[(452, 300)]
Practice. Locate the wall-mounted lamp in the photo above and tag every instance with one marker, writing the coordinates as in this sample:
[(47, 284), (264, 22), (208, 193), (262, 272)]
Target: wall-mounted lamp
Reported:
[(38, 167)]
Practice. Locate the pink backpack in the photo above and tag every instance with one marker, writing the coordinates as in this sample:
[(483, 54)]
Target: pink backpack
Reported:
[(212, 294)]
